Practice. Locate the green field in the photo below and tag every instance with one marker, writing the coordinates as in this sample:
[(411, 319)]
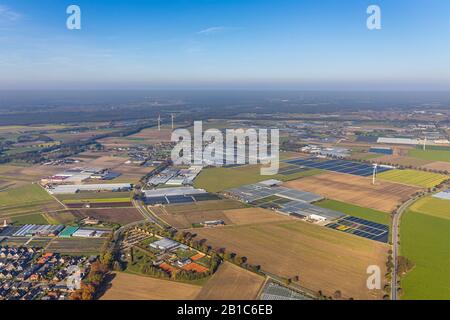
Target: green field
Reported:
[(27, 199), (220, 178), (29, 219), (433, 207), (356, 211), (425, 241), (108, 200), (414, 177), (93, 195), (431, 154)]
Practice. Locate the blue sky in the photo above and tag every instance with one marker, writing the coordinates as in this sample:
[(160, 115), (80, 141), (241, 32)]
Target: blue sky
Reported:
[(276, 44)]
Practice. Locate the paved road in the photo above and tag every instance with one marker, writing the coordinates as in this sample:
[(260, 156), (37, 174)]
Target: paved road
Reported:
[(395, 244)]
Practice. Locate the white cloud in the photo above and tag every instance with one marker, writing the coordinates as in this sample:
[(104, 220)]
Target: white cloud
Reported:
[(7, 14), (214, 30)]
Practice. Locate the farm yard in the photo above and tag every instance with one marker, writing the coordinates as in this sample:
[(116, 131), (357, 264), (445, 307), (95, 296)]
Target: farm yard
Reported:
[(414, 177), (324, 259), (383, 196), (231, 282), (127, 286)]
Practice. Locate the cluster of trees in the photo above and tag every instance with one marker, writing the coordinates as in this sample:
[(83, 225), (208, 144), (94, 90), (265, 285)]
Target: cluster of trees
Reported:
[(92, 283), (189, 239)]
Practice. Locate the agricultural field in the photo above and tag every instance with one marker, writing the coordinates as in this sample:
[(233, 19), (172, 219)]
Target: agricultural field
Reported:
[(76, 246), (126, 286), (431, 154), (356, 211), (231, 282), (27, 199), (93, 195), (30, 218), (221, 178), (383, 196), (414, 177), (60, 217), (186, 215), (424, 240), (114, 215), (438, 208), (254, 216), (402, 160), (324, 259), (439, 166)]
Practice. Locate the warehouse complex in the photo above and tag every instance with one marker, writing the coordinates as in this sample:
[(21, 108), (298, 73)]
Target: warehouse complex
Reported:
[(268, 194)]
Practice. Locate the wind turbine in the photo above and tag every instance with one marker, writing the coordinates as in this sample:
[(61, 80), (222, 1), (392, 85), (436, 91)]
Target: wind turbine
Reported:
[(159, 122), (425, 144), (374, 175)]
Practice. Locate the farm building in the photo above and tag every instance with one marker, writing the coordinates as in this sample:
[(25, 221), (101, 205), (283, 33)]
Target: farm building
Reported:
[(31, 230), (70, 189), (68, 232), (89, 233), (165, 244), (398, 141), (381, 150)]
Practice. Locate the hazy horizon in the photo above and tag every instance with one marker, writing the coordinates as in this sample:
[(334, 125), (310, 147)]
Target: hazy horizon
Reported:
[(248, 45)]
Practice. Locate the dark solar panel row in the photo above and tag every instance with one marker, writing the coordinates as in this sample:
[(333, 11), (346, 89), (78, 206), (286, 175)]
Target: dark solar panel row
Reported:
[(362, 228), (367, 223), (180, 199), (341, 166)]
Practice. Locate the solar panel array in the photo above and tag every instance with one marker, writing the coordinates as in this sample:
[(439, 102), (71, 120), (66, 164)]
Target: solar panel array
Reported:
[(177, 199), (253, 192), (444, 195), (362, 228), (275, 291), (342, 166)]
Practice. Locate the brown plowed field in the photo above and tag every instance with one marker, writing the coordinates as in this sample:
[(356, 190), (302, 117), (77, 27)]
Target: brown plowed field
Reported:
[(383, 196), (231, 283), (134, 287), (323, 259)]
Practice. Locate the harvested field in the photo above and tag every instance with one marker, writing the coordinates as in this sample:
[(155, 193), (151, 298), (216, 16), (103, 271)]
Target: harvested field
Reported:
[(254, 215), (402, 160), (116, 215), (134, 287), (185, 215), (231, 282), (82, 246), (60, 217), (153, 135), (81, 205), (438, 165), (106, 162), (323, 259), (383, 196)]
